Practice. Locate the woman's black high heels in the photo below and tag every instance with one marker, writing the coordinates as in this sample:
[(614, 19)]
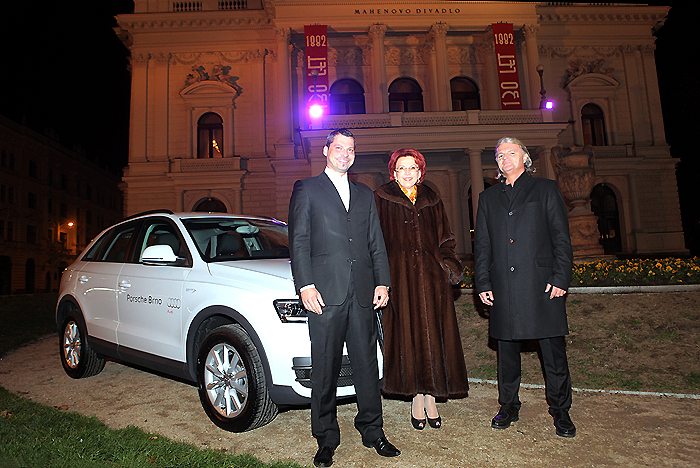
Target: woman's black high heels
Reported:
[(417, 423), (434, 423)]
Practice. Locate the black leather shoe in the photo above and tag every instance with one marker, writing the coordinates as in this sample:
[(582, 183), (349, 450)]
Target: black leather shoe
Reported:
[(324, 456), (563, 424), (383, 447), (506, 415)]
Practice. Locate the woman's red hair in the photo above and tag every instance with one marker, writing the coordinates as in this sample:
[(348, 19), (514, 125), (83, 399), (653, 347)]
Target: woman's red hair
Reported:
[(415, 154)]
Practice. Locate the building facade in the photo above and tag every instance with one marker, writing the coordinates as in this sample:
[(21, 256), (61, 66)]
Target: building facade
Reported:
[(220, 91), (53, 202)]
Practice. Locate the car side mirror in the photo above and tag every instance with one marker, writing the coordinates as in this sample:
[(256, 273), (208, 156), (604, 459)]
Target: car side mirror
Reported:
[(161, 255)]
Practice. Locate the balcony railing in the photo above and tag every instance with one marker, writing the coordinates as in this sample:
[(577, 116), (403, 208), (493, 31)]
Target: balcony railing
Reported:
[(211, 5), (206, 165), (435, 119)]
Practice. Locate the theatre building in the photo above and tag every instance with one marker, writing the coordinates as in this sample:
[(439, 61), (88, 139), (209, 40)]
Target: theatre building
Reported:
[(221, 93)]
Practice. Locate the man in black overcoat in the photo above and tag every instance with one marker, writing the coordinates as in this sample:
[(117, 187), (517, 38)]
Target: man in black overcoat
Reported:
[(523, 265), (341, 272)]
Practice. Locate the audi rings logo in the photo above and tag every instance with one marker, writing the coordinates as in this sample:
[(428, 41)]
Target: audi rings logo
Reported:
[(173, 303)]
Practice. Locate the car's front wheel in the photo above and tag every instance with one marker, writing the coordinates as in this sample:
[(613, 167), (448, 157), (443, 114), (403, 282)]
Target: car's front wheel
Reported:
[(231, 380), (77, 357)]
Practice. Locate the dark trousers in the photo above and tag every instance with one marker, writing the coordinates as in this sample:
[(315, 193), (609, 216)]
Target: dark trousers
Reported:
[(356, 326), (556, 371)]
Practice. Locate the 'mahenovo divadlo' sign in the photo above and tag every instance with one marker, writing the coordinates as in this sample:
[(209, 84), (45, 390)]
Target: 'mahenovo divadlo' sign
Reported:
[(407, 11)]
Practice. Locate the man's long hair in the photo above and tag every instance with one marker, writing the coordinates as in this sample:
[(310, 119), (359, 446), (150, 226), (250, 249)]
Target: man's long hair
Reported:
[(514, 141)]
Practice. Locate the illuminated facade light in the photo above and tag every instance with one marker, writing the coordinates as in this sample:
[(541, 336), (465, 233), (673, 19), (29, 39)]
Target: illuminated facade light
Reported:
[(315, 111)]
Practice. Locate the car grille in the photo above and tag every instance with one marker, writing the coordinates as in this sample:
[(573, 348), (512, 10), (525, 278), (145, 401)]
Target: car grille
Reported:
[(302, 370)]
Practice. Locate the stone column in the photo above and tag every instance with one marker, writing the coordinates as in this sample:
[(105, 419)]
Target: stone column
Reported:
[(490, 87), (533, 59), (544, 154), (477, 178), (440, 73), (284, 146), (379, 91), (158, 84), (637, 95), (139, 101), (648, 64)]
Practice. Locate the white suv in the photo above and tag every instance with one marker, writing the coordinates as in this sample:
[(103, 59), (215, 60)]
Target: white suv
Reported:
[(204, 297)]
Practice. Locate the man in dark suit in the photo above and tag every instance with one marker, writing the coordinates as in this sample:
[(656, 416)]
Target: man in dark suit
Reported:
[(523, 263), (341, 271)]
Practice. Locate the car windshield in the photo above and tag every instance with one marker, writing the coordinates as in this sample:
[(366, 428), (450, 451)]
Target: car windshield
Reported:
[(226, 239)]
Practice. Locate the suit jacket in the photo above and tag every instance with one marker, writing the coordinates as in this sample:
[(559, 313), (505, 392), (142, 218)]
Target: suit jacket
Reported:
[(329, 245), (522, 243)]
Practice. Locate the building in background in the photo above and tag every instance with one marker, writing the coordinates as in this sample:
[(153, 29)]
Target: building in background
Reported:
[(53, 202), (221, 92)]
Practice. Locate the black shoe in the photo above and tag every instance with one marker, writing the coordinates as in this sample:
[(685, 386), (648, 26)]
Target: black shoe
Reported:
[(506, 415), (383, 447), (563, 424), (324, 456), (435, 423), (418, 423)]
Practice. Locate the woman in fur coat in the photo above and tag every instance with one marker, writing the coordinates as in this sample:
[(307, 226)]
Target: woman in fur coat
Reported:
[(423, 355)]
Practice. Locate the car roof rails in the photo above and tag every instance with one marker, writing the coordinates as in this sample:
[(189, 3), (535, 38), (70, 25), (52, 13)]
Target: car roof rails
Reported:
[(144, 213)]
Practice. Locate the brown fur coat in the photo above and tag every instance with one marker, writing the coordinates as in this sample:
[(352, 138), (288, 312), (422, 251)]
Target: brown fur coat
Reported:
[(422, 348)]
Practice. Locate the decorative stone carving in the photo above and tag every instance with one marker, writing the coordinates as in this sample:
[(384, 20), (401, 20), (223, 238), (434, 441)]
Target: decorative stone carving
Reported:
[(576, 177), (578, 68), (220, 73)]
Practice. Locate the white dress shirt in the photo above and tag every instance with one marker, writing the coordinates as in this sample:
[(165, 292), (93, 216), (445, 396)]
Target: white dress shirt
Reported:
[(342, 185)]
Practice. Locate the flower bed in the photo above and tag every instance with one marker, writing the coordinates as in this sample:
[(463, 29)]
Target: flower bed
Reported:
[(633, 272)]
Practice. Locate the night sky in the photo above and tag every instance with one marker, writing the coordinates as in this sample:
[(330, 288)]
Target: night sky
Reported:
[(63, 68)]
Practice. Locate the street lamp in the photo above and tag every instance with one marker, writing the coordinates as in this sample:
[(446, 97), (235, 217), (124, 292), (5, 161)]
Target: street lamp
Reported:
[(543, 93), (70, 224), (544, 103)]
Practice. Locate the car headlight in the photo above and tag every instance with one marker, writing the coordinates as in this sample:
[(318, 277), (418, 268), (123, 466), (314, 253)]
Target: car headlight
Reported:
[(290, 310)]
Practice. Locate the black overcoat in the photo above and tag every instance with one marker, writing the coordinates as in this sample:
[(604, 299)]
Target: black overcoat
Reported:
[(522, 243), (422, 348)]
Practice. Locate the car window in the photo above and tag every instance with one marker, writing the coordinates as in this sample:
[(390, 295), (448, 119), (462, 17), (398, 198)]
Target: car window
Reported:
[(120, 244), (224, 239), (161, 232), (94, 250)]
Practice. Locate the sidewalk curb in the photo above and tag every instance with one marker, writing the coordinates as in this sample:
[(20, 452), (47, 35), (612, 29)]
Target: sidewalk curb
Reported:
[(596, 390), (623, 289)]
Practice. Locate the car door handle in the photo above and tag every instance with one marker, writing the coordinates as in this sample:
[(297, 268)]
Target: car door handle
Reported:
[(124, 284), (84, 279)]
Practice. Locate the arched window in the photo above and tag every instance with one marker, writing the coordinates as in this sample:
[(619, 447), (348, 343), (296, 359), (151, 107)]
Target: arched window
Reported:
[(604, 206), (465, 94), (593, 125), (211, 205), (347, 97), (210, 136), (405, 95)]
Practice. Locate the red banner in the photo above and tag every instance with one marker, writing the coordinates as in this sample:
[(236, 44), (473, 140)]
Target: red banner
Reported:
[(316, 52), (507, 66)]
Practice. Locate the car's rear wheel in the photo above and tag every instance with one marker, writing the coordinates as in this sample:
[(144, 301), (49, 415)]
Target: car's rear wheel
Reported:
[(77, 357), (231, 380)]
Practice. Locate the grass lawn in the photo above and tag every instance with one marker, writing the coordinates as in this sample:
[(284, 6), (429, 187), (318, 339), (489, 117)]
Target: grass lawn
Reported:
[(35, 435)]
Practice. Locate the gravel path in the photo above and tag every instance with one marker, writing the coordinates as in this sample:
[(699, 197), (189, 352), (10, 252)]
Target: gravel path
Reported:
[(613, 430)]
